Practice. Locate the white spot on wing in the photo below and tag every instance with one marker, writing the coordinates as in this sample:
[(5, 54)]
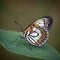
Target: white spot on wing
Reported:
[(42, 25), (42, 43), (34, 29), (40, 22), (34, 34)]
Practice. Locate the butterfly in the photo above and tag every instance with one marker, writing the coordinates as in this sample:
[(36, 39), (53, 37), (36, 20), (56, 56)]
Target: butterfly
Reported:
[(37, 32)]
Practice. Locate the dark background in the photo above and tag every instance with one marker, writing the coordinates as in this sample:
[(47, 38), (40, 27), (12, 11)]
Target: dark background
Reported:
[(25, 12)]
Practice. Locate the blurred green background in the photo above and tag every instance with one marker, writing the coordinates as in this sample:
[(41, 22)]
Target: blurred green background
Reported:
[(25, 12)]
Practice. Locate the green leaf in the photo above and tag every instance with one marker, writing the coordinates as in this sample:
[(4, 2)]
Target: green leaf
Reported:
[(13, 42)]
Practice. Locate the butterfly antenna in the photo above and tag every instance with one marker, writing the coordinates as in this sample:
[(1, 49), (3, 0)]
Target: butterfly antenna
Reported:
[(21, 29)]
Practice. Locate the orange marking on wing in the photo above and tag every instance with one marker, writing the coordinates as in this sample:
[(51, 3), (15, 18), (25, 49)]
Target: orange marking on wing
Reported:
[(35, 25), (46, 22), (42, 37), (30, 27)]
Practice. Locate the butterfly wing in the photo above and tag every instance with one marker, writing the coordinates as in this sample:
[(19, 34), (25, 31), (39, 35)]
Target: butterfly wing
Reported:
[(37, 32)]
